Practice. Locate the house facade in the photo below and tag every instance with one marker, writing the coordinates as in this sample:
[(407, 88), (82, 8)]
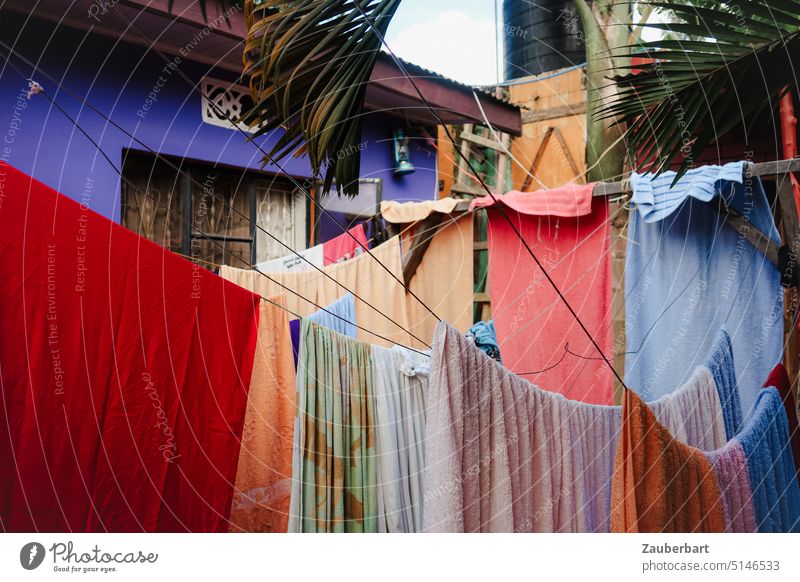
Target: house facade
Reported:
[(136, 79)]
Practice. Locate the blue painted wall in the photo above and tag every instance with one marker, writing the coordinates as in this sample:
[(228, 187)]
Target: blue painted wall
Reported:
[(116, 78)]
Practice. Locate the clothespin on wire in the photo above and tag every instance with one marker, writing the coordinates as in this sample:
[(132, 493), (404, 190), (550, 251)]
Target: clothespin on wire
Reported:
[(34, 88)]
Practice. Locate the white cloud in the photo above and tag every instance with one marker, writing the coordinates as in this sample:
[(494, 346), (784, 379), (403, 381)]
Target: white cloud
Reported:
[(452, 43)]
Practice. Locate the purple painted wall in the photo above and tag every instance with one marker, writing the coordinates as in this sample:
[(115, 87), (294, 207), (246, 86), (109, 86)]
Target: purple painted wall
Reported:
[(116, 78)]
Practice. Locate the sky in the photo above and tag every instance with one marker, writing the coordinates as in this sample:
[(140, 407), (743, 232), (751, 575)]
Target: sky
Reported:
[(457, 38), (453, 37)]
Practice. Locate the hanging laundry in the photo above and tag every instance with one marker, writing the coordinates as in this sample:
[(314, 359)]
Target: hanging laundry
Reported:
[(312, 257), (568, 231), (485, 337), (408, 212), (125, 372), (773, 477), (689, 273), (660, 484), (444, 279), (264, 475), (720, 363), (344, 247), (334, 470), (779, 379), (505, 455), (339, 316), (730, 467), (362, 275), (400, 383)]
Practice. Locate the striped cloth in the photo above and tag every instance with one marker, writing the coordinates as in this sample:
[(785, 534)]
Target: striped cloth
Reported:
[(656, 198)]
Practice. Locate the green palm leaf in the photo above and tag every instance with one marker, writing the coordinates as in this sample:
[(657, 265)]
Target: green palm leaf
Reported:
[(308, 64), (736, 61)]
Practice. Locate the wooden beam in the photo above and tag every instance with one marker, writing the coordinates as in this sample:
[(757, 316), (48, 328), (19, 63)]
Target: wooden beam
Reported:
[(481, 298), (502, 163), (537, 157), (464, 189), (760, 169), (757, 238), (463, 165), (573, 166), (553, 113), (419, 245), (791, 227), (482, 141)]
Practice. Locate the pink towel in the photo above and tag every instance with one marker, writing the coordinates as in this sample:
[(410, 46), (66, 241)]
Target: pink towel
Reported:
[(570, 200), (343, 247), (730, 466), (533, 324)]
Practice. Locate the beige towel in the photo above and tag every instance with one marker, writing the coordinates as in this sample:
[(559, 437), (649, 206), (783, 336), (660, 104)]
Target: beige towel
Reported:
[(444, 279), (363, 275), (405, 212)]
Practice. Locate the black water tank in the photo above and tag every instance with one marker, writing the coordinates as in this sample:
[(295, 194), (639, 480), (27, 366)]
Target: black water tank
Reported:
[(541, 36)]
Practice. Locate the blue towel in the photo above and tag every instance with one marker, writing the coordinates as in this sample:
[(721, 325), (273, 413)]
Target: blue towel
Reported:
[(720, 363), (773, 480), (655, 200), (486, 338), (690, 274), (345, 308), (345, 324)]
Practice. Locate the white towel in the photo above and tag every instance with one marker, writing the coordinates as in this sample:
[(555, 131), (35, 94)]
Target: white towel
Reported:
[(400, 384)]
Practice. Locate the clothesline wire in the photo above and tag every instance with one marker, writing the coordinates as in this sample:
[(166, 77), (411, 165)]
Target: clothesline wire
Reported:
[(214, 194), (483, 184), (533, 320), (195, 87), (212, 241)]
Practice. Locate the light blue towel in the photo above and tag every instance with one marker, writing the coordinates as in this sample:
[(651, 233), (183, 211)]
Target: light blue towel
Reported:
[(486, 338), (689, 275), (655, 200), (345, 308), (773, 480), (720, 363)]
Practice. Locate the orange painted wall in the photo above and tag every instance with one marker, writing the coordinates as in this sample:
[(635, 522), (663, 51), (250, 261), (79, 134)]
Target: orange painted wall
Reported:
[(538, 95)]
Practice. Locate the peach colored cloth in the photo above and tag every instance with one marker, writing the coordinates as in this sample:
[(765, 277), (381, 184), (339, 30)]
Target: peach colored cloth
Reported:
[(444, 280), (569, 200), (362, 275), (661, 485), (264, 475), (405, 212)]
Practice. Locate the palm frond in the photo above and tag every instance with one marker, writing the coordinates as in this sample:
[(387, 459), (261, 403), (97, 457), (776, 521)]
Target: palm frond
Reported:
[(308, 63), (729, 62)]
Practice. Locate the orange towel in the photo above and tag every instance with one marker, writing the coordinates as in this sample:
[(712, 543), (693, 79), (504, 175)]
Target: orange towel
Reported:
[(660, 484), (264, 475)]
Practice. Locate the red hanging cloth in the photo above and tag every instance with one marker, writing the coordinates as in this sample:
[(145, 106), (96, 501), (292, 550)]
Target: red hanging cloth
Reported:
[(124, 372)]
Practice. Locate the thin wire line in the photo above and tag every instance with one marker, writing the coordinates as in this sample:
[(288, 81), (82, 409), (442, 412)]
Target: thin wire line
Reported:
[(167, 161), (492, 196), (266, 155), (212, 241)]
